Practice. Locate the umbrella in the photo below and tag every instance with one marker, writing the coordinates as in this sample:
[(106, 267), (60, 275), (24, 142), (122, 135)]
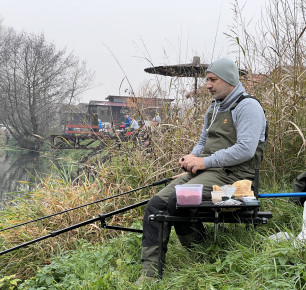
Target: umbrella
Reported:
[(194, 69)]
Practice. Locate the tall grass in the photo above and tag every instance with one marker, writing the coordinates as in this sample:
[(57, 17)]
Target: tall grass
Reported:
[(278, 52), (58, 193), (240, 259)]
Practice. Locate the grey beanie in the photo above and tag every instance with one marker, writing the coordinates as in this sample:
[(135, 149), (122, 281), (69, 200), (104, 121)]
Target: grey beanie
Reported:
[(226, 69)]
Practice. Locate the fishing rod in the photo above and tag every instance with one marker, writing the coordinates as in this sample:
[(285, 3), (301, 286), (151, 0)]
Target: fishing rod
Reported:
[(101, 217), (162, 181)]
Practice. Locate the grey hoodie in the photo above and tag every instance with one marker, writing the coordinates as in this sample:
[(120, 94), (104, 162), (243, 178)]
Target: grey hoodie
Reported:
[(250, 124)]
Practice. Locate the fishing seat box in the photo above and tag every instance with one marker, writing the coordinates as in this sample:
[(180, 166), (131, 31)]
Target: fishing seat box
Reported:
[(244, 213)]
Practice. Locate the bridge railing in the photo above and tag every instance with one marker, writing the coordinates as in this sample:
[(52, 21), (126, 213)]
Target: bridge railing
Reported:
[(81, 129)]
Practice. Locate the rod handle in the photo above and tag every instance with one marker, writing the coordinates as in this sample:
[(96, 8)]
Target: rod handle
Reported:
[(179, 175)]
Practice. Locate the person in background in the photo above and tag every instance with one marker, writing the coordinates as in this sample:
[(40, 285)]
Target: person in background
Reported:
[(100, 125), (134, 124), (156, 119), (127, 121), (230, 148), (7, 135)]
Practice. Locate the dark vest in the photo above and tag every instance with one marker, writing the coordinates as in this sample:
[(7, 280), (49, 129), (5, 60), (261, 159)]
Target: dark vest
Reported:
[(222, 135)]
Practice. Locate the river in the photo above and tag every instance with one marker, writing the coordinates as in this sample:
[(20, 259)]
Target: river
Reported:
[(15, 168)]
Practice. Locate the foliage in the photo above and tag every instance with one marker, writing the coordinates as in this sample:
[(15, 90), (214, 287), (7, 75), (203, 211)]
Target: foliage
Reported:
[(239, 259), (9, 282), (60, 191), (35, 80), (89, 266), (275, 60)]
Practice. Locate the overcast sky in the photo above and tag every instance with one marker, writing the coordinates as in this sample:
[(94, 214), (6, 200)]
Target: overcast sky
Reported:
[(98, 31)]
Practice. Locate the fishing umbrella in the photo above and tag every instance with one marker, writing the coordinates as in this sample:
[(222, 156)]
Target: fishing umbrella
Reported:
[(194, 69)]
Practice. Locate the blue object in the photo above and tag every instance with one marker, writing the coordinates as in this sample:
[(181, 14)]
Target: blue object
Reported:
[(281, 194), (100, 125), (127, 122)]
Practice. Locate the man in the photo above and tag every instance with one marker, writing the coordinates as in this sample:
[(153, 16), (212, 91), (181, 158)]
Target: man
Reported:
[(231, 146), (156, 119), (7, 135), (134, 124), (127, 121), (100, 125)]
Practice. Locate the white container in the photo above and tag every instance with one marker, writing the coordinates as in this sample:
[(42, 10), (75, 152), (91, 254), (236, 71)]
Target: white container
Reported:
[(216, 196), (229, 190), (248, 198), (189, 194)]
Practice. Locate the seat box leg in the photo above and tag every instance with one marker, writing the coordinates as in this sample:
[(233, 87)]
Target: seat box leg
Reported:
[(216, 225), (160, 249)]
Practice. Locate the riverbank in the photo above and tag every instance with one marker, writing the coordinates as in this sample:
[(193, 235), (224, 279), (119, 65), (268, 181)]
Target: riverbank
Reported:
[(21, 170), (132, 165), (53, 194), (92, 258), (239, 259)]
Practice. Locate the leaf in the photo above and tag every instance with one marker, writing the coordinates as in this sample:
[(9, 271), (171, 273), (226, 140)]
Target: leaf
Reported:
[(49, 280), (15, 281), (237, 39), (301, 134), (219, 265), (282, 260)]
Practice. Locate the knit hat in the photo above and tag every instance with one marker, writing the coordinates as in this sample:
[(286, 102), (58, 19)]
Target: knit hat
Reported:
[(226, 69)]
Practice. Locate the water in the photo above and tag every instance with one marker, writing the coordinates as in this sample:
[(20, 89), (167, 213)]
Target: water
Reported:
[(16, 167)]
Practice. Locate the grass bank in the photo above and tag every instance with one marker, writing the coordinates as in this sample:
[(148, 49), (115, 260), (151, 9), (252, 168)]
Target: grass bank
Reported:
[(92, 258), (239, 259)]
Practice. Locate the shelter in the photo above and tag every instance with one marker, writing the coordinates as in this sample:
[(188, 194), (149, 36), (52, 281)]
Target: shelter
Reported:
[(196, 69), (113, 109)]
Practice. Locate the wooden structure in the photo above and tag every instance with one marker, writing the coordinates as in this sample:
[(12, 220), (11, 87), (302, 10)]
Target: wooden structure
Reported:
[(115, 107), (88, 142), (78, 137), (81, 129), (110, 111)]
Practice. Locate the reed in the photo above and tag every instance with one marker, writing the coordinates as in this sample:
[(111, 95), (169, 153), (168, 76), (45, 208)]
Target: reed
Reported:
[(58, 193), (275, 59), (281, 90)]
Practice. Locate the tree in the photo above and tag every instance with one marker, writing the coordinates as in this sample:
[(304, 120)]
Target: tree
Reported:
[(35, 80)]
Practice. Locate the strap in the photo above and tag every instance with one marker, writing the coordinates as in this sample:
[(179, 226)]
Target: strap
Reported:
[(242, 97)]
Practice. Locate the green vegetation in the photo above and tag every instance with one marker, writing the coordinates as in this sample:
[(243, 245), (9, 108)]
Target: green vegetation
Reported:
[(240, 259), (93, 258)]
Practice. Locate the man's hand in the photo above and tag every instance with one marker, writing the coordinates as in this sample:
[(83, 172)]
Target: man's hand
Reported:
[(185, 158), (192, 163)]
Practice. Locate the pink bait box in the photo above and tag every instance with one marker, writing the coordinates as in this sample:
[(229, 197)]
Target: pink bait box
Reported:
[(189, 194)]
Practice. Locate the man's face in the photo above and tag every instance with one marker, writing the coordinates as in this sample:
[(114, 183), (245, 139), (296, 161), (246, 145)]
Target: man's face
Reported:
[(219, 88)]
